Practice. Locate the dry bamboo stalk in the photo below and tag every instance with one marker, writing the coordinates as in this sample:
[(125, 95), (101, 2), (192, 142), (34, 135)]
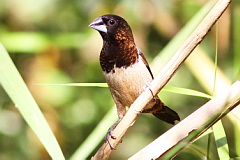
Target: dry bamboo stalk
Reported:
[(200, 120)]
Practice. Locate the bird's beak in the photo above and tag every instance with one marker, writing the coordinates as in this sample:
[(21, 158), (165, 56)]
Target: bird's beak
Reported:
[(99, 25)]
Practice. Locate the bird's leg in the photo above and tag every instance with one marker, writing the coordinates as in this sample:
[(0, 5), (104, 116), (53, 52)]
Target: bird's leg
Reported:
[(109, 134), (121, 110)]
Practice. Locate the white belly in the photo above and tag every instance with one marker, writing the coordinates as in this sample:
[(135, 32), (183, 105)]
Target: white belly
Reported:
[(126, 84)]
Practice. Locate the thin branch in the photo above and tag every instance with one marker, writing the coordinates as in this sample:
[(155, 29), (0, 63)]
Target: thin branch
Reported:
[(193, 125), (163, 77)]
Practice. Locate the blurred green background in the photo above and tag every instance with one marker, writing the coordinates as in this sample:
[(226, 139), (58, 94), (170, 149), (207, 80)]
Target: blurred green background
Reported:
[(50, 42)]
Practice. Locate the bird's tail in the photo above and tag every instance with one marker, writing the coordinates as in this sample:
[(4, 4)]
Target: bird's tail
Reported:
[(162, 112), (167, 115)]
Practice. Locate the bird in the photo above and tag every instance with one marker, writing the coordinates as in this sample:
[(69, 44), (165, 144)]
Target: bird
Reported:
[(125, 68)]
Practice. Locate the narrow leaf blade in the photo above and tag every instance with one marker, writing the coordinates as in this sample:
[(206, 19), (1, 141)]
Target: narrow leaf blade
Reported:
[(17, 90)]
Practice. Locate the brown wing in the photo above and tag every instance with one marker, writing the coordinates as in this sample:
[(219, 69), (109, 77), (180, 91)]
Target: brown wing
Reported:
[(145, 62)]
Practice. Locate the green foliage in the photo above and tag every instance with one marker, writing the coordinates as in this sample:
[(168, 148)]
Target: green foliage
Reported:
[(14, 85), (63, 50)]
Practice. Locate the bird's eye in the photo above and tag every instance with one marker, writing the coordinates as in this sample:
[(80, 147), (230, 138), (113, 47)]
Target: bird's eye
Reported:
[(111, 22)]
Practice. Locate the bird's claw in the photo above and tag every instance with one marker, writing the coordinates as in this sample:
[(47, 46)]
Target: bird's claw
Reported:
[(110, 135), (147, 86)]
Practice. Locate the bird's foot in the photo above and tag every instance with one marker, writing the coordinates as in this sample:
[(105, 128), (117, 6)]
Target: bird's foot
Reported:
[(147, 86), (109, 134)]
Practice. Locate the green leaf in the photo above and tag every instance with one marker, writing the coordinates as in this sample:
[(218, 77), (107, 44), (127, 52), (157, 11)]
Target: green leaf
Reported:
[(221, 141), (76, 84), (177, 90), (218, 130), (209, 131), (185, 91), (17, 90)]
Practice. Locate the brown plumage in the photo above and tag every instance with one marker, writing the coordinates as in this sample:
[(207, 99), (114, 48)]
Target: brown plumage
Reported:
[(125, 68)]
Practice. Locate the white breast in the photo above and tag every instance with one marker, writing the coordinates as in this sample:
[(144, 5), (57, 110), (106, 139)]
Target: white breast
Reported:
[(126, 84)]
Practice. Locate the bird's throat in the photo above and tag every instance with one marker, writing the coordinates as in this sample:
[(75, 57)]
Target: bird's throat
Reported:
[(121, 53)]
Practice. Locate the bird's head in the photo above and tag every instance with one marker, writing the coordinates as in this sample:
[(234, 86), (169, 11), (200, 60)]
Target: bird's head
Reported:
[(112, 27)]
